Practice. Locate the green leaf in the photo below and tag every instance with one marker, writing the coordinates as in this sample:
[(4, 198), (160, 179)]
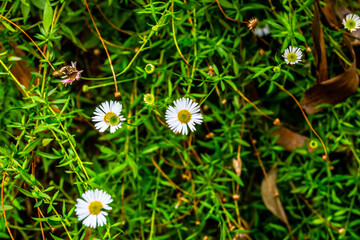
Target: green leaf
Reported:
[(46, 141), (4, 235), (234, 176), (25, 9), (7, 207), (38, 3), (317, 221), (14, 58), (48, 16), (30, 147), (261, 71), (38, 204), (55, 237), (48, 155), (150, 149), (55, 218), (26, 193), (8, 26), (232, 84)]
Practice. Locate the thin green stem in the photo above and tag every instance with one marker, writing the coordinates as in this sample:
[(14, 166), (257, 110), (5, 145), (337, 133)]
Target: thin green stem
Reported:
[(146, 39), (195, 53), (154, 207), (56, 116)]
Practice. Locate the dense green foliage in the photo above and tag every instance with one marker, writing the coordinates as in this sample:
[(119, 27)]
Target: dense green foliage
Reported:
[(166, 185)]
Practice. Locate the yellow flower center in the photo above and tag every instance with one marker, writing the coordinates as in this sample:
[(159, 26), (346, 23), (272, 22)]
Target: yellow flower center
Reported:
[(149, 68), (95, 207), (149, 99), (184, 116), (313, 144), (350, 24), (111, 119), (291, 57)]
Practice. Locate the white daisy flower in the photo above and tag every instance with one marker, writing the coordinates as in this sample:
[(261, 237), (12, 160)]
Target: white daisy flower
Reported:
[(292, 55), (90, 208), (108, 115), (351, 22), (185, 113), (262, 31)]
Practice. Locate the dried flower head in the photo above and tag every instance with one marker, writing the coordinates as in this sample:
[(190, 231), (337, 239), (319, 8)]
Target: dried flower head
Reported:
[(252, 23), (70, 73), (211, 71)]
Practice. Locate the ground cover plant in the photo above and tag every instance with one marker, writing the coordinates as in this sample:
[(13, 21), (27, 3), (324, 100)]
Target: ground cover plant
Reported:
[(179, 119)]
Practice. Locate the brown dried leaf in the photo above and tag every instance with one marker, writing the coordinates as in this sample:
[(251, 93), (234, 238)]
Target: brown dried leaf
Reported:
[(270, 195), (319, 46), (334, 90), (21, 69), (341, 11), (329, 12), (237, 166), (88, 234), (290, 140)]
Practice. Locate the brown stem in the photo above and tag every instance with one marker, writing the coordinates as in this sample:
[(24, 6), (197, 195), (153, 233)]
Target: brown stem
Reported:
[(313, 209), (30, 40), (167, 178), (111, 24), (226, 15), (252, 104), (325, 157), (3, 206), (102, 41)]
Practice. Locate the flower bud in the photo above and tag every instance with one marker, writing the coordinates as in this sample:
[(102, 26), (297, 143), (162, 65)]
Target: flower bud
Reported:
[(276, 69), (149, 68), (117, 94), (155, 28), (85, 88)]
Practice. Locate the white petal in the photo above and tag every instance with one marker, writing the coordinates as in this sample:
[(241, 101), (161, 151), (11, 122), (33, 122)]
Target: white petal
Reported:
[(82, 216), (86, 196), (90, 220), (101, 220)]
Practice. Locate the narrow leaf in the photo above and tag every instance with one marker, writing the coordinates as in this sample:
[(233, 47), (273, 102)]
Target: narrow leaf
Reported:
[(48, 16)]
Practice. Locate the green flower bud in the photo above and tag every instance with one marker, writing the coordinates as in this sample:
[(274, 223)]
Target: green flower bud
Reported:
[(149, 68), (85, 88), (155, 28), (313, 144), (276, 69)]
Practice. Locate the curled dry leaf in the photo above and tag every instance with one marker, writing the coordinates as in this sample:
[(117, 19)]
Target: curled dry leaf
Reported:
[(319, 46), (334, 90), (237, 166), (329, 12), (21, 69), (270, 196), (291, 140), (341, 11)]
